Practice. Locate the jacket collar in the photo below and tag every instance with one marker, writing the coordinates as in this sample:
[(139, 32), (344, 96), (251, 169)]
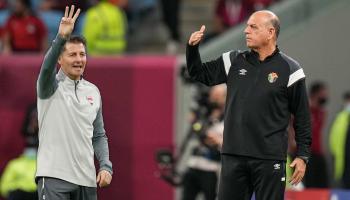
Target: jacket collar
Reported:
[(254, 56), (61, 76)]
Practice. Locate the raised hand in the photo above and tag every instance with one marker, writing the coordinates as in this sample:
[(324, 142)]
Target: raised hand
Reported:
[(197, 36), (67, 22)]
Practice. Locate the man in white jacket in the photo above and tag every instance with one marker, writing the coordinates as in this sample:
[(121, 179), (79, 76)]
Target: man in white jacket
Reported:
[(71, 128)]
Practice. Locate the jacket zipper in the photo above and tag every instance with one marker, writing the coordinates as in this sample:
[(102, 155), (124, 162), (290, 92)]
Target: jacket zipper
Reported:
[(75, 89)]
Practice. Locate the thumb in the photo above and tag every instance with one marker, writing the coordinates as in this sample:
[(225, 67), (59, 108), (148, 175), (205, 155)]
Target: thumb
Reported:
[(98, 177), (293, 164), (202, 29)]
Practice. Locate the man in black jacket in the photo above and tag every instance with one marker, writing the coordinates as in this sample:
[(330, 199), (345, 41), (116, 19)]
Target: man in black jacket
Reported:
[(264, 87)]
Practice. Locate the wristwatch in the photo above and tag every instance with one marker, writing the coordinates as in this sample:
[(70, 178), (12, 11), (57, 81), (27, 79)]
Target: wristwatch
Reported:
[(304, 158)]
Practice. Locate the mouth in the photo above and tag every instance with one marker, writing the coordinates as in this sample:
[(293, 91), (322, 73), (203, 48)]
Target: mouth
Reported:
[(78, 67)]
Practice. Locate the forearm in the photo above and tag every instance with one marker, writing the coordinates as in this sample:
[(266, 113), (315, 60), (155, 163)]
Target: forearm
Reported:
[(302, 120), (46, 80), (209, 73), (100, 143), (101, 149)]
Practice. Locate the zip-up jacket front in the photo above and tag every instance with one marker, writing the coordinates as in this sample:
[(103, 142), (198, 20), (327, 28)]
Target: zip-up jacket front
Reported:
[(261, 96), (71, 125)]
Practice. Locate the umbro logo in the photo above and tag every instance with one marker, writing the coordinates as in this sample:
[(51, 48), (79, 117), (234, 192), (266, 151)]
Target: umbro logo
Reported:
[(243, 72), (277, 166)]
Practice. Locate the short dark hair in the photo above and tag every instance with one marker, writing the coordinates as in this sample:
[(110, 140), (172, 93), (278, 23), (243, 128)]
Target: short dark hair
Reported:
[(316, 87), (76, 39), (276, 25)]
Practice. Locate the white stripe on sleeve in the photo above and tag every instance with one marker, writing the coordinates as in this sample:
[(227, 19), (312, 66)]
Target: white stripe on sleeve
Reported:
[(297, 75), (227, 61)]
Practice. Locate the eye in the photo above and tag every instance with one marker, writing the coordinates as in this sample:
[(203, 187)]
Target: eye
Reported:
[(253, 26)]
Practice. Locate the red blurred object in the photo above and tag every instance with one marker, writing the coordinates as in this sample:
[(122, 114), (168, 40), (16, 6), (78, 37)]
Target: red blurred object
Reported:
[(316, 194)]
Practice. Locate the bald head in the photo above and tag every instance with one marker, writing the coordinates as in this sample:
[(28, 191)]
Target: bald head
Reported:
[(269, 18)]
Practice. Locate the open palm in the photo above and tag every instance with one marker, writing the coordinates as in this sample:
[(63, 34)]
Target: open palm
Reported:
[(67, 22)]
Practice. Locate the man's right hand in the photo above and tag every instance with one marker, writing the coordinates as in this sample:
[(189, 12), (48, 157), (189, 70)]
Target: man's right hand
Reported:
[(197, 36), (67, 22)]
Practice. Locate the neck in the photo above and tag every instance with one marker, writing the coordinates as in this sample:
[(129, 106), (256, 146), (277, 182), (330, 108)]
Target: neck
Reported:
[(265, 51), (74, 78)]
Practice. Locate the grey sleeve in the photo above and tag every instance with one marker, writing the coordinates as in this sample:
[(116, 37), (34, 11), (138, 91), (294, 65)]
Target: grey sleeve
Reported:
[(46, 83), (100, 143)]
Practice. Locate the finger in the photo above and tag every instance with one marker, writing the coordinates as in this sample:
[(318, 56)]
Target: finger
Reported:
[(297, 180), (292, 164), (103, 180), (202, 29), (98, 178), (101, 183), (295, 174), (298, 177), (66, 11), (76, 15), (71, 11)]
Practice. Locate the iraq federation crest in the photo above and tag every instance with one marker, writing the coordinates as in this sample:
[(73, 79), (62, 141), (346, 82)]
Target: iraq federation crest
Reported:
[(272, 77)]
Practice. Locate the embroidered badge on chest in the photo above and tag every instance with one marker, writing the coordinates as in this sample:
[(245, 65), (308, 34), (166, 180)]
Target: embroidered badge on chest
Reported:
[(272, 77), (90, 99)]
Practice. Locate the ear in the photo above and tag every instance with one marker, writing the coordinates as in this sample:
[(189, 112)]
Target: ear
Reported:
[(59, 60), (272, 33)]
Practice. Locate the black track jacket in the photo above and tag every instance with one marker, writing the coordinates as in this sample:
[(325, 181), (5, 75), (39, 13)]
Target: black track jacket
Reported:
[(261, 96)]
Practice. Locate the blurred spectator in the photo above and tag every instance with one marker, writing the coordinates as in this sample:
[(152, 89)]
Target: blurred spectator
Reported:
[(229, 13), (261, 4), (51, 13), (316, 175), (170, 10), (24, 32), (291, 153), (60, 5), (3, 4), (137, 11), (340, 144), (204, 162), (17, 181), (105, 29)]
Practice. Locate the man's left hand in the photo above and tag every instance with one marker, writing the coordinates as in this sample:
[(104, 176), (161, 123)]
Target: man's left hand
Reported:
[(299, 171), (104, 178)]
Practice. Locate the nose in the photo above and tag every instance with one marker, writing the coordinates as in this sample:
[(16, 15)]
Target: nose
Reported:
[(246, 30), (79, 59)]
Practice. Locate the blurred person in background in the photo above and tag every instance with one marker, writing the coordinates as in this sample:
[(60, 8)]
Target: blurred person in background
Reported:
[(105, 29), (204, 162), (17, 181), (71, 127), (51, 13), (317, 173), (229, 13), (170, 11), (339, 142), (60, 5), (24, 31)]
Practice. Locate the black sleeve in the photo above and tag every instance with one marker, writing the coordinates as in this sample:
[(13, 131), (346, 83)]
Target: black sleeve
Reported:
[(299, 107), (209, 73)]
